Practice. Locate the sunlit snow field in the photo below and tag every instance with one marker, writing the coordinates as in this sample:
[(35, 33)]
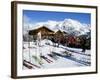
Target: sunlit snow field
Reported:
[(77, 58)]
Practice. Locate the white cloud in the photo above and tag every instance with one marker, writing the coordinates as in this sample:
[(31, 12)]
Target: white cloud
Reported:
[(26, 19)]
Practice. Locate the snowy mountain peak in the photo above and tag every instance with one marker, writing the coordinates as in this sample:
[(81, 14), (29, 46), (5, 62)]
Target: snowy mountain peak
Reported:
[(70, 26), (74, 27)]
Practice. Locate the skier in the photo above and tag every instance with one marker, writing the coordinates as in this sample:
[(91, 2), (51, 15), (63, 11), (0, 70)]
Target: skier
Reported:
[(83, 43)]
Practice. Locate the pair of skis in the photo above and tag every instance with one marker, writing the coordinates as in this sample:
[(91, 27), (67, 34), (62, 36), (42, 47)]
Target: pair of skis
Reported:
[(29, 64), (53, 56), (46, 59)]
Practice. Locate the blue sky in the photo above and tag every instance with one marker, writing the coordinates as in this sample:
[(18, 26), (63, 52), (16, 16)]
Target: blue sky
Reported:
[(31, 16)]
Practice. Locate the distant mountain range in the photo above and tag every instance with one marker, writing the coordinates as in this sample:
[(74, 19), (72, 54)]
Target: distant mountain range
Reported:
[(70, 26)]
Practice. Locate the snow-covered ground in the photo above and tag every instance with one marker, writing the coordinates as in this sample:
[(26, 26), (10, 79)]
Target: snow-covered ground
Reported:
[(60, 59)]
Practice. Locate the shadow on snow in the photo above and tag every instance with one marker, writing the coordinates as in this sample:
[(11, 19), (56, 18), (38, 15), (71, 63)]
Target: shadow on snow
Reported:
[(73, 59)]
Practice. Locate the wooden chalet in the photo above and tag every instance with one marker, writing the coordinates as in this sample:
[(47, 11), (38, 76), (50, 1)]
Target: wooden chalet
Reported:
[(60, 37), (45, 32), (59, 33)]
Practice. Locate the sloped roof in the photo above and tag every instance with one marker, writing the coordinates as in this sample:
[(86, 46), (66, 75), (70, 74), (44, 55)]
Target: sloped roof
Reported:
[(59, 32), (35, 31)]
